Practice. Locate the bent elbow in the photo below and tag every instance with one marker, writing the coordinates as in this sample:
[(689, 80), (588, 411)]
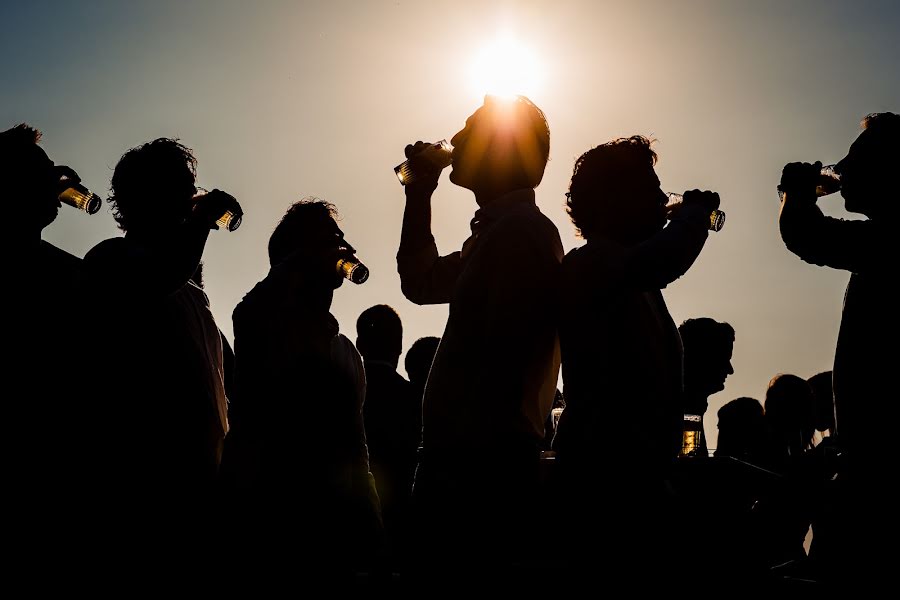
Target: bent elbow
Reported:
[(412, 292)]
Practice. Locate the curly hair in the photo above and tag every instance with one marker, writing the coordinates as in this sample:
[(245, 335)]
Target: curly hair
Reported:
[(599, 173), (299, 222), (12, 143), (17, 136), (163, 163), (888, 120), (883, 129)]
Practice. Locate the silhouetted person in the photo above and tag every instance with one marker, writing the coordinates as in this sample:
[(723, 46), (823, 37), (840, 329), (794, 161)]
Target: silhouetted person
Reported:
[(44, 308), (823, 396), (790, 415), (418, 364), (734, 543), (492, 382), (742, 431), (296, 465), (789, 508), (867, 351), (827, 456), (622, 355), (708, 346), (160, 401), (392, 414)]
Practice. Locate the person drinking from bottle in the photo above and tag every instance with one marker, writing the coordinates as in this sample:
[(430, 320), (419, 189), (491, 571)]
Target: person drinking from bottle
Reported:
[(622, 358), (492, 382), (866, 357), (159, 406), (43, 309), (296, 468)]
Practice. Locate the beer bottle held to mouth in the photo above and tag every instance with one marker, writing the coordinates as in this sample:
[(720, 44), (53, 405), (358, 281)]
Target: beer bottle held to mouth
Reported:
[(439, 154)]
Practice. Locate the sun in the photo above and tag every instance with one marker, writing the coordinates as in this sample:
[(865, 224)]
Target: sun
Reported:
[(506, 68)]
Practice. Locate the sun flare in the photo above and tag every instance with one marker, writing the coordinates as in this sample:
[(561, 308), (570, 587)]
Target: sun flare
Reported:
[(506, 68)]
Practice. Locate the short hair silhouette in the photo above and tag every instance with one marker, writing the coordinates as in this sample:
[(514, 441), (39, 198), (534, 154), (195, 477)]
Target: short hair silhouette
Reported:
[(379, 334), (742, 429), (886, 123), (598, 178), (162, 165), (419, 358), (13, 140), (515, 132), (22, 171), (300, 226), (789, 411), (705, 336)]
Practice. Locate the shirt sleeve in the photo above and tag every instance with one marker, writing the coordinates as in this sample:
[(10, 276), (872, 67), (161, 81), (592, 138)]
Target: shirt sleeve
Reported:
[(652, 264), (856, 246), (669, 254), (425, 276)]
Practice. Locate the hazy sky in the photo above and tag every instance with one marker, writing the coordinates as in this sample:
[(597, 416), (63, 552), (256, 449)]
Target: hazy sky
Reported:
[(282, 100)]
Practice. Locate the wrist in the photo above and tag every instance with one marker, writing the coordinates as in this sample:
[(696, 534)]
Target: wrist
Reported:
[(419, 194), (197, 221)]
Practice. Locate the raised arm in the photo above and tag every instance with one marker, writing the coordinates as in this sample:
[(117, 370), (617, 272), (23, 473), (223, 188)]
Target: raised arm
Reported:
[(668, 255), (425, 276), (856, 246), (158, 266)]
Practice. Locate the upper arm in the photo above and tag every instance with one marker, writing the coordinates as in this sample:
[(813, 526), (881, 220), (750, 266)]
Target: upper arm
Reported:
[(427, 278), (856, 246)]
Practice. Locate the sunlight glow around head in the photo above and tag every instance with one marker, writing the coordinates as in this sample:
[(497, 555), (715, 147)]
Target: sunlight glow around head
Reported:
[(505, 68)]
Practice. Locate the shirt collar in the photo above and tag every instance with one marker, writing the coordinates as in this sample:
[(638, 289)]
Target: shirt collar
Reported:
[(517, 200)]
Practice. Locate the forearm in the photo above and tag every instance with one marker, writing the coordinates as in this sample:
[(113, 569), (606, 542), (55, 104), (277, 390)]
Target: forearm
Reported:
[(177, 262), (669, 254), (826, 241), (164, 268)]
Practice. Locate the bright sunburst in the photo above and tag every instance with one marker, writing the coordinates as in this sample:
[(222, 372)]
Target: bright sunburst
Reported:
[(506, 68)]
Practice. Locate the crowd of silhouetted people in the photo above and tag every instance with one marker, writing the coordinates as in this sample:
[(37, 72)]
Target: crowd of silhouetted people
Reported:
[(141, 446)]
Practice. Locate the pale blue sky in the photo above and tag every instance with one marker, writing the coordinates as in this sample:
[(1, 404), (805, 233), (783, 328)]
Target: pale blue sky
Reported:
[(281, 100)]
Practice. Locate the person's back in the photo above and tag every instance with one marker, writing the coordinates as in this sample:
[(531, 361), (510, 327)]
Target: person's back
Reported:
[(392, 432), (790, 505), (742, 431), (392, 415)]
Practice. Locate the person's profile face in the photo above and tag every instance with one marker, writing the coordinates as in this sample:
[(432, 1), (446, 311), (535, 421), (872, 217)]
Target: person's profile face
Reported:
[(646, 203), (328, 242), (38, 181), (170, 199), (720, 368), (468, 149), (865, 174)]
